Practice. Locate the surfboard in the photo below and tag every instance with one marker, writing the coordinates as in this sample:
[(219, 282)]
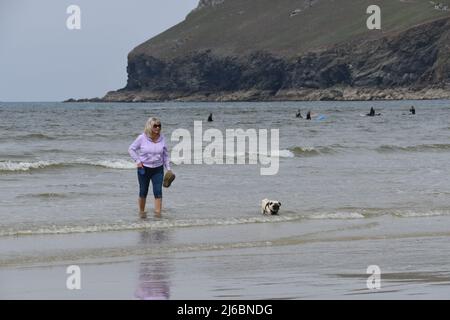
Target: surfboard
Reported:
[(321, 117), (366, 115)]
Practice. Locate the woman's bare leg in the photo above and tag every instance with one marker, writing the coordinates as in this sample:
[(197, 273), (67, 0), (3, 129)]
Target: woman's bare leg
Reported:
[(142, 207), (158, 206)]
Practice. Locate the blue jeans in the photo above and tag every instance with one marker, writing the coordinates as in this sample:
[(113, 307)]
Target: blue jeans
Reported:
[(156, 175)]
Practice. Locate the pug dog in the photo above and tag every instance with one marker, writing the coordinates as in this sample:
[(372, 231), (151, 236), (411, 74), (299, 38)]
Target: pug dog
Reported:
[(270, 207)]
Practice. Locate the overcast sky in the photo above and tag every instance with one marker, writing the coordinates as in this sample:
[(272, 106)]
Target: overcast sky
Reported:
[(42, 60)]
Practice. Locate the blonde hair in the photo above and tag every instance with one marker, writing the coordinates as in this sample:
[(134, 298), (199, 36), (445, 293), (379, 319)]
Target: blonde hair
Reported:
[(149, 126)]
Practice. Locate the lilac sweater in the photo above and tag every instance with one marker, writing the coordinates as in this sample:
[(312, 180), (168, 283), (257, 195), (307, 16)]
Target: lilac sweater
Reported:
[(151, 154)]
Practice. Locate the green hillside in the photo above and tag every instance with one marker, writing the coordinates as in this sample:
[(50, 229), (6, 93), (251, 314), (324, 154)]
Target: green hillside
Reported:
[(237, 27)]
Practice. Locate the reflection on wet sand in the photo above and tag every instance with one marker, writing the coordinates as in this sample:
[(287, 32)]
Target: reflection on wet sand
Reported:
[(154, 273)]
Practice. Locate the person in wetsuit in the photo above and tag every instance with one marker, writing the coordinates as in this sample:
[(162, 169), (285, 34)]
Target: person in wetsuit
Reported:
[(299, 114), (210, 119), (308, 115), (371, 112), (412, 110)]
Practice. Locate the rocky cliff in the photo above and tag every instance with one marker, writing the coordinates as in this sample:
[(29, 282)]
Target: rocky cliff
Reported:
[(294, 50)]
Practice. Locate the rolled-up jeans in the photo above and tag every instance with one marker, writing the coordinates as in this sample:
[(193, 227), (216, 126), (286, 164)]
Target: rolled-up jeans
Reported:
[(145, 175)]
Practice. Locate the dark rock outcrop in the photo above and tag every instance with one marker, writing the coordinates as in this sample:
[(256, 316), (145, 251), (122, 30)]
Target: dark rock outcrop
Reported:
[(415, 59)]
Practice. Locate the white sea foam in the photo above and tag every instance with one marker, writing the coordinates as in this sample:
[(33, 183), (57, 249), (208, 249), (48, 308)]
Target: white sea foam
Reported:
[(418, 214), (337, 215), (12, 166), (169, 223), (150, 225), (25, 166), (51, 229), (112, 164)]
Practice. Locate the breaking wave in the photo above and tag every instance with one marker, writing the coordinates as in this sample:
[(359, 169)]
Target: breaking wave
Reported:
[(337, 215), (12, 166), (52, 229), (143, 225), (416, 214), (311, 151)]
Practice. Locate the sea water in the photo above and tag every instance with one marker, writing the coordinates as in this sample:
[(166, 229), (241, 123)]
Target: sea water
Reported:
[(65, 172)]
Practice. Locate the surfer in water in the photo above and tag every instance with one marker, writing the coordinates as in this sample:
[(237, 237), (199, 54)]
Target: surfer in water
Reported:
[(299, 114), (371, 112), (210, 119), (308, 115), (412, 110)]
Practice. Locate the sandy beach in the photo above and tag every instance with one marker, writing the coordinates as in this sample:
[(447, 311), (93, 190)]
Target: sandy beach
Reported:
[(301, 260)]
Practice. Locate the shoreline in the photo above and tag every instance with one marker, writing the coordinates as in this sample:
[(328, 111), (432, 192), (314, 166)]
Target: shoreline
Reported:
[(330, 94)]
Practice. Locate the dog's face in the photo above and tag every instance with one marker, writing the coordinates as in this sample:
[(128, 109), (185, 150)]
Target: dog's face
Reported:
[(272, 207)]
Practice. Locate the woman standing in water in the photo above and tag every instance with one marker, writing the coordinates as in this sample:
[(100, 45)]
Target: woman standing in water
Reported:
[(149, 151)]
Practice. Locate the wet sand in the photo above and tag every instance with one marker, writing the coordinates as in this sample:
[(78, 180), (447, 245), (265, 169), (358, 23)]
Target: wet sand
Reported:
[(323, 259)]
